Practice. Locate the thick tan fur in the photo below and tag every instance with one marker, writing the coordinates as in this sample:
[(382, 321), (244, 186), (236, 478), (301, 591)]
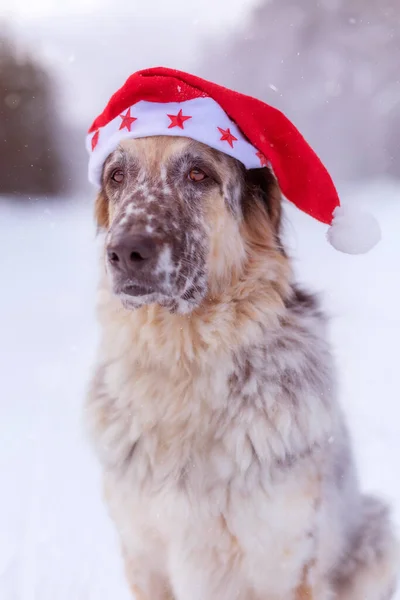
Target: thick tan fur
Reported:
[(213, 502)]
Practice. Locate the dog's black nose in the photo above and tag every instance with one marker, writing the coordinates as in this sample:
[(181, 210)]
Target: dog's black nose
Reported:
[(131, 252)]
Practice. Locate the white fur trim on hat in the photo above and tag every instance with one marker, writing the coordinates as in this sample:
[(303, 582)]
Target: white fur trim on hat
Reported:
[(353, 231), (151, 118)]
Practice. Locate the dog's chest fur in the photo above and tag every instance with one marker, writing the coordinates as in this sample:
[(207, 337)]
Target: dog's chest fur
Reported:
[(258, 406), (227, 431)]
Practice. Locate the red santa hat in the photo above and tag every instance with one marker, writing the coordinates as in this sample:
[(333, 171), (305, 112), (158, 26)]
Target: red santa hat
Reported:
[(161, 101)]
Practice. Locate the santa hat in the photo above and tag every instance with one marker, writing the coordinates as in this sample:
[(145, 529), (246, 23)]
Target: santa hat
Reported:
[(163, 101)]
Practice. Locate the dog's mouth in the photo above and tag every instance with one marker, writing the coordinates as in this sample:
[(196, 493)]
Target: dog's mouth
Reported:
[(134, 295), (136, 290)]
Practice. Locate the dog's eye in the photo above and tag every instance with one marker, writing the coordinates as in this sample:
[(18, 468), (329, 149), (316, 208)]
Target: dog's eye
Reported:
[(197, 175), (117, 176)]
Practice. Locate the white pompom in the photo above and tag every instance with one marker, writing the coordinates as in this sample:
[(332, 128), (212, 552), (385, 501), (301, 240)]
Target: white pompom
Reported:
[(353, 231)]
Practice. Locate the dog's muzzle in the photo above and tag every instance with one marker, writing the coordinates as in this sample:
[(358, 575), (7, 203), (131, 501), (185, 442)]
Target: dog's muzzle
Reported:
[(134, 263)]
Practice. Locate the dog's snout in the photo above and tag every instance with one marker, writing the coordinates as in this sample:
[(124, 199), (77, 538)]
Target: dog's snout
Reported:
[(131, 251)]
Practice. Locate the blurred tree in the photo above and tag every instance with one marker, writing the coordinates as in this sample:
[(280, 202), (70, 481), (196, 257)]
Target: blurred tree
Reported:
[(29, 157), (333, 66)]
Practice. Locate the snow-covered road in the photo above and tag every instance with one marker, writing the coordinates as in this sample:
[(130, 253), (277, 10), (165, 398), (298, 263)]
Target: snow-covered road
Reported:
[(56, 542)]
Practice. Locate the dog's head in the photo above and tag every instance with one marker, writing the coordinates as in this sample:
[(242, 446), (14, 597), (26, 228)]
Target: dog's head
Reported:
[(182, 221)]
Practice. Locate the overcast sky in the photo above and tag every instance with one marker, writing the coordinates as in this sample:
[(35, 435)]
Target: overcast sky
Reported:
[(94, 45)]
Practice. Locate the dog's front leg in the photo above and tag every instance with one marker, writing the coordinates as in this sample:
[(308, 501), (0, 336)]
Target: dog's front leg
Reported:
[(145, 584)]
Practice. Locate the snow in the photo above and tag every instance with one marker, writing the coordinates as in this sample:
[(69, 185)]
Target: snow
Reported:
[(56, 540)]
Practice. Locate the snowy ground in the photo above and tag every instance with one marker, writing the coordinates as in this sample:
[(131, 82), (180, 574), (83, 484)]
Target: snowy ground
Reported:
[(56, 542)]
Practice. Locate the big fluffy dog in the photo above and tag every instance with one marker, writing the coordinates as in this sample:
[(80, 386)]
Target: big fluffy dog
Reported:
[(228, 469)]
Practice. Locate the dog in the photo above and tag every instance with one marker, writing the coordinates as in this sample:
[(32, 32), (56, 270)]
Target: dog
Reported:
[(227, 463)]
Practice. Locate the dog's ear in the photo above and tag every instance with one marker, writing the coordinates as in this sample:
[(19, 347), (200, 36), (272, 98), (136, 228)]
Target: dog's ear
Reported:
[(262, 208), (101, 211), (261, 184)]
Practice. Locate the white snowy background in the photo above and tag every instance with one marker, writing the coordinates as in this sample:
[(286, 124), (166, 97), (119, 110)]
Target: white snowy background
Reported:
[(56, 541)]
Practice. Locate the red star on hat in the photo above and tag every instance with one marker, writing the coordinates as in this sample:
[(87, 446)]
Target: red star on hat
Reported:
[(127, 120), (95, 139), (263, 159), (178, 120), (227, 136)]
